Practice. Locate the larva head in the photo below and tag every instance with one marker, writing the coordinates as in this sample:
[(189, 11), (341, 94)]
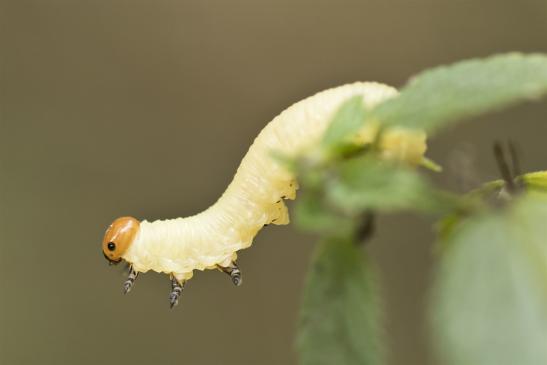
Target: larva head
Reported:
[(118, 237)]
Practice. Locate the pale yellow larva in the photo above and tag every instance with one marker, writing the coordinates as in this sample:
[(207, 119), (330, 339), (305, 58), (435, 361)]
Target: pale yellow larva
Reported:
[(211, 239)]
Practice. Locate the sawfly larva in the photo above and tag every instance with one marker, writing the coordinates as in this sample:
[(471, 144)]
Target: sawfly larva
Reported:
[(254, 198)]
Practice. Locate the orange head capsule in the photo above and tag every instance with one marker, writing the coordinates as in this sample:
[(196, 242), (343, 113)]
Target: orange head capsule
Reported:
[(118, 237)]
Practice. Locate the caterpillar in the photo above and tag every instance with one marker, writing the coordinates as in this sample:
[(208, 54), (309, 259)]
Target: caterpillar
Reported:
[(254, 198)]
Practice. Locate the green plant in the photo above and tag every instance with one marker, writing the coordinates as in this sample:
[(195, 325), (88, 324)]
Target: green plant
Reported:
[(489, 300)]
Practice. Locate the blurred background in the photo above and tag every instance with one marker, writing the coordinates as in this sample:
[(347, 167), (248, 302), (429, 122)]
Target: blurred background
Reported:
[(146, 108)]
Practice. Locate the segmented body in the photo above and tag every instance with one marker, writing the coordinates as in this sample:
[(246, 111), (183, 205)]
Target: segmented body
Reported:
[(255, 196)]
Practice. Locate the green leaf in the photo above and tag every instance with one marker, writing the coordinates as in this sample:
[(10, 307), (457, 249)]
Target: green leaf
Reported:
[(536, 180), (349, 118), (533, 181), (368, 183), (469, 88), (339, 320), (313, 215), (489, 301)]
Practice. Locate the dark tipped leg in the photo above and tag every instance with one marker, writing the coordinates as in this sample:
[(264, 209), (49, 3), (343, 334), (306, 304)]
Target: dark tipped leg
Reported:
[(234, 272), (130, 280), (176, 290)]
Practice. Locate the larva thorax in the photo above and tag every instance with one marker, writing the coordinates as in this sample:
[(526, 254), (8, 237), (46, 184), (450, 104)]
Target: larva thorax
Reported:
[(255, 196)]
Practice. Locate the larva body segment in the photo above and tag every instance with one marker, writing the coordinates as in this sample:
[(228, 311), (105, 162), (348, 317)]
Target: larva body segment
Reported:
[(255, 196)]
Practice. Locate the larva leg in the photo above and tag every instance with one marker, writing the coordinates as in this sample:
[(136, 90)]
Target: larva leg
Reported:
[(128, 284), (176, 290), (234, 272)]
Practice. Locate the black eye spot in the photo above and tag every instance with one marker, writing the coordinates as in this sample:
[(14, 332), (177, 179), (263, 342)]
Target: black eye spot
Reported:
[(111, 246)]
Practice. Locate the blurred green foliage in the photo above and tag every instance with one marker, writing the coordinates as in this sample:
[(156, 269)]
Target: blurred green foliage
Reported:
[(339, 322), (489, 302), (490, 298), (446, 94), (348, 120)]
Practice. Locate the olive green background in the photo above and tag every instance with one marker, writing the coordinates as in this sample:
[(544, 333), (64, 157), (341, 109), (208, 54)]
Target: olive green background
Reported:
[(145, 108)]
